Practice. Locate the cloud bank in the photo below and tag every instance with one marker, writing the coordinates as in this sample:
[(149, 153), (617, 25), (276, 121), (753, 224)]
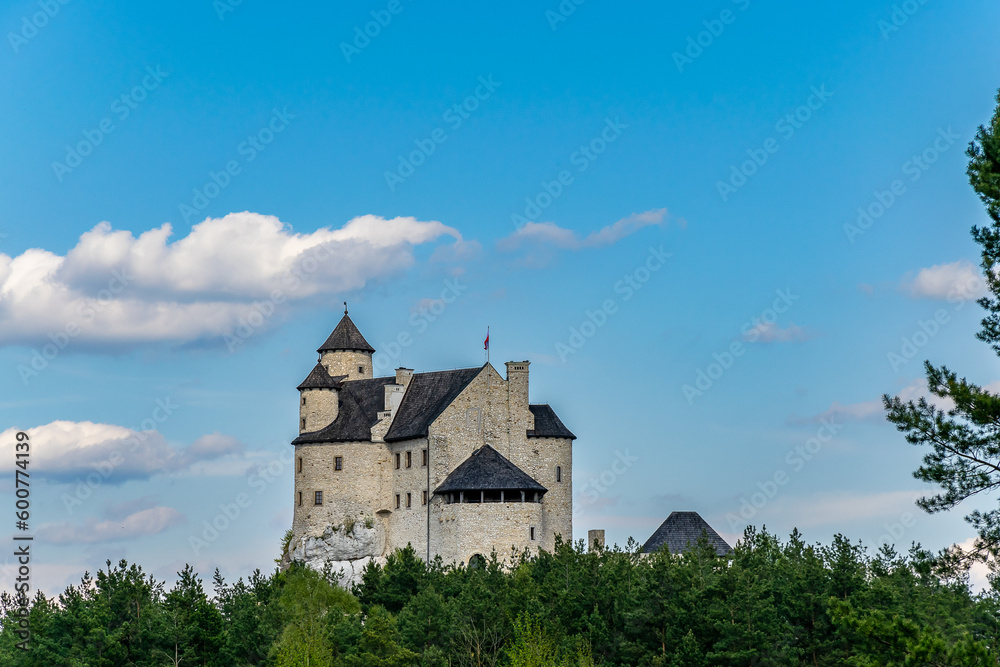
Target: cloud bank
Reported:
[(113, 287)]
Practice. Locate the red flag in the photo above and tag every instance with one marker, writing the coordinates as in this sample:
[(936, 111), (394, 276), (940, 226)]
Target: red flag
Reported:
[(486, 343)]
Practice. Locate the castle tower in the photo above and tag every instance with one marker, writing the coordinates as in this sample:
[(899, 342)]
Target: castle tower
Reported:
[(346, 353)]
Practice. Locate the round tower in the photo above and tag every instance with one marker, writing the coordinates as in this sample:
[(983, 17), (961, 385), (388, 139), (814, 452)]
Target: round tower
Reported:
[(346, 353)]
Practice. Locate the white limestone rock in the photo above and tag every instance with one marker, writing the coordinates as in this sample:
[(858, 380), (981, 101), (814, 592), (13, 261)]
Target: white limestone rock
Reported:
[(344, 551)]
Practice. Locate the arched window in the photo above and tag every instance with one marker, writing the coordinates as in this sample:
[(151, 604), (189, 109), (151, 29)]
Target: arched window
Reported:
[(477, 562)]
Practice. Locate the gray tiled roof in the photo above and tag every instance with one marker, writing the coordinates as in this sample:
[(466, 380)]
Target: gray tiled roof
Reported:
[(360, 402), (680, 531), (486, 469), (547, 424), (426, 397), (319, 378), (346, 337)]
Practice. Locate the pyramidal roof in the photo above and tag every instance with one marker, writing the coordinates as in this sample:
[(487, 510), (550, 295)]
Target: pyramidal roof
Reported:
[(681, 531), (346, 337), (486, 469)]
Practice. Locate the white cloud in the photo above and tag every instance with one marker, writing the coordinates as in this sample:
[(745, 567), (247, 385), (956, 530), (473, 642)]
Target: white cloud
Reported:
[(874, 411), (838, 509), (772, 333), (958, 280), (143, 523), (113, 287), (114, 453), (549, 233)]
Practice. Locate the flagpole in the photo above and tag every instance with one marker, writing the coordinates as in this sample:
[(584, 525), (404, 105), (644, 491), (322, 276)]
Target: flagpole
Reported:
[(487, 343)]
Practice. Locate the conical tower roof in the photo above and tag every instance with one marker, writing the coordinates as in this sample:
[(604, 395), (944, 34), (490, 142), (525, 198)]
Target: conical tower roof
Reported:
[(346, 337)]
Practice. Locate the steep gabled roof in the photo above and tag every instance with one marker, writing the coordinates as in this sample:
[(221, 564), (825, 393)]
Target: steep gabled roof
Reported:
[(547, 424), (426, 397), (346, 337), (319, 378), (681, 531), (488, 470), (360, 403)]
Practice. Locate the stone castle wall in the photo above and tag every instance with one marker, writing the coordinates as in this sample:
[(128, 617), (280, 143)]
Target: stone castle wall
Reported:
[(490, 410), (317, 408), (355, 365)]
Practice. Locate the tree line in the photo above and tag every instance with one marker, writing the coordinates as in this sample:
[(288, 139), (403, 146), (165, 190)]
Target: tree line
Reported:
[(770, 602)]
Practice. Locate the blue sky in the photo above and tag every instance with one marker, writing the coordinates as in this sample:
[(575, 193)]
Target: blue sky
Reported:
[(529, 159)]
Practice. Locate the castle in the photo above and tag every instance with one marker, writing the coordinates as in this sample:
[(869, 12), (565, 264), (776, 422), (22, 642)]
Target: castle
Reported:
[(455, 463)]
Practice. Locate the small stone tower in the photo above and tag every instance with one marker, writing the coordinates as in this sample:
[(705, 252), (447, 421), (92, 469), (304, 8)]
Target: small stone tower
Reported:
[(346, 352)]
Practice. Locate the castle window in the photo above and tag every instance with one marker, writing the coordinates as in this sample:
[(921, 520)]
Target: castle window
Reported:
[(425, 497), (409, 499), (300, 499), (319, 498), (361, 369), (423, 457), (558, 473), (302, 423), (531, 532), (300, 464), (397, 460), (397, 501), (409, 459), (338, 462), (303, 400)]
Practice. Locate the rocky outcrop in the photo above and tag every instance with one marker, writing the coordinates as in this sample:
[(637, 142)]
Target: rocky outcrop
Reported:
[(346, 549)]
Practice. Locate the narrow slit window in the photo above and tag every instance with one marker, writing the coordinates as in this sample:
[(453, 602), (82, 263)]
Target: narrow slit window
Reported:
[(397, 460), (300, 499), (423, 457), (397, 501), (409, 459), (300, 464), (338, 462), (558, 473), (409, 499), (302, 423), (531, 532), (425, 497)]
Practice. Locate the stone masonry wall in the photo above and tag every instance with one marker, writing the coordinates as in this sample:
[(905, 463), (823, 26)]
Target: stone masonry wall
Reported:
[(347, 363), (318, 407)]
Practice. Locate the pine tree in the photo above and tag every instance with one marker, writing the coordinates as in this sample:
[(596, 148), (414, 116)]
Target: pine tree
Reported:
[(962, 429)]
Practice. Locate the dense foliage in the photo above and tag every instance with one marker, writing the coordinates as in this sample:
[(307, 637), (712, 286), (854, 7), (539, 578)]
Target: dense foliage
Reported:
[(768, 603)]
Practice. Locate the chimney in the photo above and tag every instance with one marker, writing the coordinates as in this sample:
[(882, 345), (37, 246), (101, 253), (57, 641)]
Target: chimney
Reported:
[(595, 541), (393, 396), (404, 375), (517, 393)]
